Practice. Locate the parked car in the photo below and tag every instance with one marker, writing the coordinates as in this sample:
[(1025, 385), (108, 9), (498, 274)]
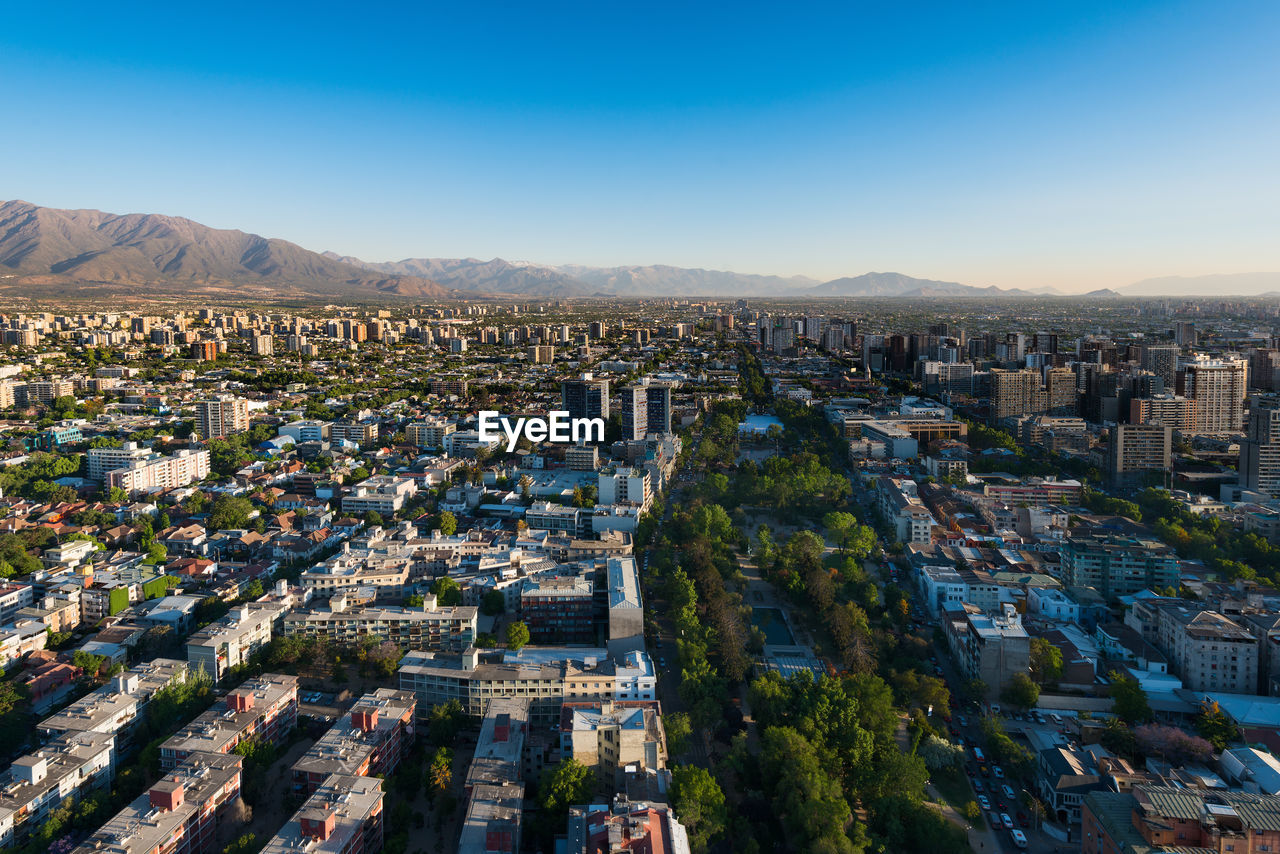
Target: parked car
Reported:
[(1006, 821), (1019, 838), (998, 772), (977, 785), (984, 802), (1008, 792)]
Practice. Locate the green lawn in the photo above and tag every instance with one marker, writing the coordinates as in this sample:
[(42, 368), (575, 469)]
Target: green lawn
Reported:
[(955, 790)]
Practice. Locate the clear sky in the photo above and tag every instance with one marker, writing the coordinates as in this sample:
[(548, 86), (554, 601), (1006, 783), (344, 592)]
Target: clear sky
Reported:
[(1074, 144)]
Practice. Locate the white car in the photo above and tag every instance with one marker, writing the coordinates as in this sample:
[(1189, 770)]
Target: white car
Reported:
[(984, 802), (1019, 838), (1006, 821)]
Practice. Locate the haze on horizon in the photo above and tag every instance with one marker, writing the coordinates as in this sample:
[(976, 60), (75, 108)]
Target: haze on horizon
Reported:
[(1077, 146)]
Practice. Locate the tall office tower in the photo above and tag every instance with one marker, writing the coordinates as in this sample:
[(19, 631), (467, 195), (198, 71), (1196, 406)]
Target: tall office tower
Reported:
[(1060, 388), (1162, 360), (1219, 388), (221, 417), (1264, 369), (586, 397), (1185, 335), (1014, 393), (635, 411), (1137, 449), (658, 407), (1260, 451), (1044, 342)]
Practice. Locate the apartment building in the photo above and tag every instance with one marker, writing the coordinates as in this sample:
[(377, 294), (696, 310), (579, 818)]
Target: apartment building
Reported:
[(556, 518), (946, 587), (117, 707), (1260, 451), (383, 494), (1219, 388), (265, 708), (13, 598), (626, 486), (306, 431), (625, 826), (1117, 565), (431, 433), (369, 742), (607, 737), (228, 642), (900, 504), (1209, 651), (452, 628), (343, 815), (385, 567), (222, 416), (1036, 490), (494, 784), (990, 647), (103, 460), (1168, 410), (67, 768), (559, 608), (362, 433), (178, 815), (1138, 450), (156, 472), (546, 681)]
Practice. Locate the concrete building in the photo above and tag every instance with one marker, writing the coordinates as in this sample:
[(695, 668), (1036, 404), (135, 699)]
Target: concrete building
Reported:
[(626, 606), (585, 397), (370, 741), (430, 433), (1260, 451), (65, 769), (1219, 388), (342, 816), (219, 417), (103, 460), (632, 486), (264, 707), (452, 628), (228, 642), (988, 647), (1168, 410), (178, 815), (1116, 565), (625, 826), (607, 737), (901, 506), (383, 494), (494, 786), (1207, 650), (118, 707), (156, 472), (1138, 450)]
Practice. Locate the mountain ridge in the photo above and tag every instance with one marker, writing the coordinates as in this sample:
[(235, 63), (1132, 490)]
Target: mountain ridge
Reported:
[(106, 252)]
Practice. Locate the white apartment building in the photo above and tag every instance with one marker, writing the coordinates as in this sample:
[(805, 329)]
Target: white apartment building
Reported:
[(156, 473), (626, 486), (230, 641), (103, 460), (35, 785), (383, 494)]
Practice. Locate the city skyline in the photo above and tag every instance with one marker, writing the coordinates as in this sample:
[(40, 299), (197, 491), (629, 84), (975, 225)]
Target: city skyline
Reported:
[(1072, 148)]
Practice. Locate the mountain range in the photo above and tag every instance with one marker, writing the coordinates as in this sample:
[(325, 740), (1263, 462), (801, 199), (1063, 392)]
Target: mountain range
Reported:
[(49, 252)]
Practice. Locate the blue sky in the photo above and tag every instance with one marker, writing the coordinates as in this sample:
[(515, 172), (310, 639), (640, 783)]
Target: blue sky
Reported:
[(1071, 144)]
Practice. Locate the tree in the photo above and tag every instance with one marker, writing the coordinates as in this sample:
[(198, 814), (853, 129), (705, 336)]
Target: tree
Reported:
[(517, 636), (699, 802), (1021, 692), (938, 753), (1128, 700), (678, 731), (568, 783), (156, 554), (447, 591), (373, 519), (414, 600), (230, 512), (448, 524), (1172, 744), (493, 603), (809, 801), (116, 495), (1046, 661), (1213, 724), (440, 771)]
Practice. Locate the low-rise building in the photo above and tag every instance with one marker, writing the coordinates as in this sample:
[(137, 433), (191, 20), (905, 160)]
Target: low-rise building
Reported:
[(228, 642), (607, 737), (1117, 565), (370, 741), (988, 647), (428, 627), (263, 708), (382, 494), (1153, 818), (67, 768), (178, 815), (559, 608), (342, 816), (117, 707), (494, 783)]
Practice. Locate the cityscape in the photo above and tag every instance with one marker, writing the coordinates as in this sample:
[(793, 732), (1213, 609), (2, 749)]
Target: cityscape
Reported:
[(666, 428)]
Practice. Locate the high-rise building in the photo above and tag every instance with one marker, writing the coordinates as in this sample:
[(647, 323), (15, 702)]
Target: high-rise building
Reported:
[(1162, 360), (586, 397), (635, 412), (1137, 449), (262, 345), (221, 417), (1219, 388), (1260, 451), (1169, 410), (1015, 393), (1185, 335), (1060, 390)]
